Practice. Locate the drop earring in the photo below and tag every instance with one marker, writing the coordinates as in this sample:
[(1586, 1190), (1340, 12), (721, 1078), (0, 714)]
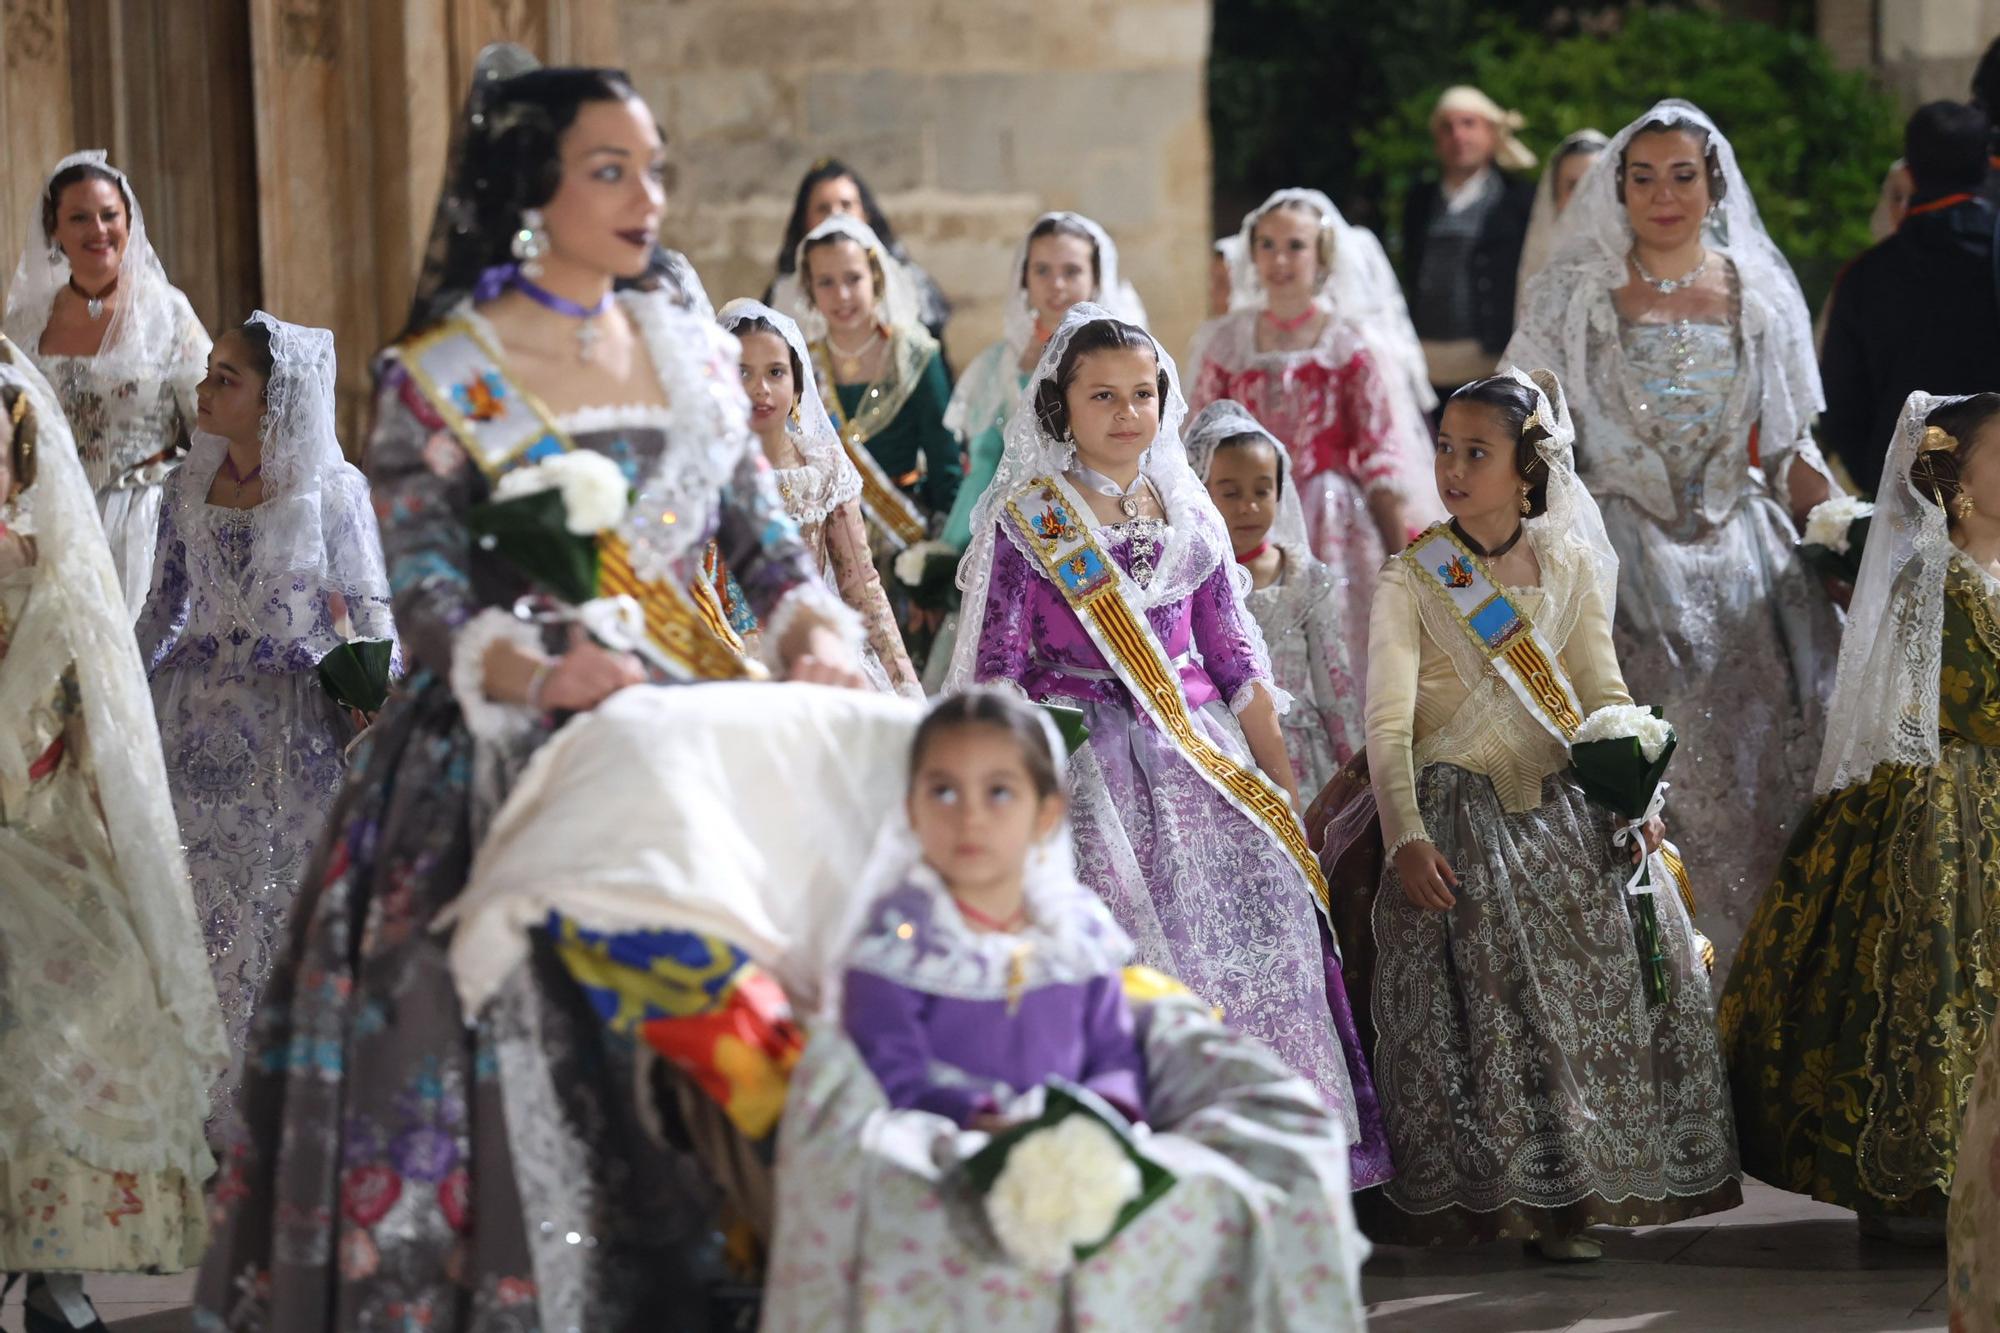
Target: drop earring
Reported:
[(1962, 505), (1527, 507), (531, 242)]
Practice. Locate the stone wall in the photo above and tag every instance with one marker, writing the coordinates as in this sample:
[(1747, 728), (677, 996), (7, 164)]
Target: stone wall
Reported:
[(1922, 50), (966, 119)]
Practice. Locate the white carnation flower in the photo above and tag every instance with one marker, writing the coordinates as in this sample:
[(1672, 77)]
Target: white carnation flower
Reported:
[(1828, 523), (1627, 722), (594, 489), (1061, 1187), (910, 564)]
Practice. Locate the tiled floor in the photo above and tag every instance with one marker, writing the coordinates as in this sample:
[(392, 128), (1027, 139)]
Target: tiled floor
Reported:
[(1777, 1263)]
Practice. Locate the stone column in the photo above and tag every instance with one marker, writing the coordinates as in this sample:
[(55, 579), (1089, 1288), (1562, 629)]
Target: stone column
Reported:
[(35, 126)]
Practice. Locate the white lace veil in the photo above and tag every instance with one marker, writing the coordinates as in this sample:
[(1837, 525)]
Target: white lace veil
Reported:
[(1572, 527), (987, 390), (1543, 217), (1196, 541), (1360, 287), (316, 519), (895, 304), (76, 620), (827, 480), (1225, 419), (1885, 701), (1588, 262)]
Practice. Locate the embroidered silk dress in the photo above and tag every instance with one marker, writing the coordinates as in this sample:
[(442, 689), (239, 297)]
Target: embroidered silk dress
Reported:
[(1208, 896), (1301, 616), (1528, 1089), (1973, 1281), (1329, 404), (255, 747), (1869, 975), (940, 1021), (839, 545), (406, 1167)]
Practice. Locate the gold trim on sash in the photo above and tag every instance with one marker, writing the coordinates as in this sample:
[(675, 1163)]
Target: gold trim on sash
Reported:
[(882, 500), (500, 425), (1094, 589), (1498, 629)]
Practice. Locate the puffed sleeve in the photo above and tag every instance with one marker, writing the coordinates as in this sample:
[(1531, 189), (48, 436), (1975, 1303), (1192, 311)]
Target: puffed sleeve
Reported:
[(762, 549), (1219, 622), (1114, 1065), (1395, 640), (886, 1023), (1591, 660), (861, 588), (1004, 637), (423, 484)]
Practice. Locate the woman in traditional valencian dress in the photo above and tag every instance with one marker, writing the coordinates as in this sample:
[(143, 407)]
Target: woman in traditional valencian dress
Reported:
[(268, 560), (1295, 598), (1064, 258), (820, 488), (1100, 577), (1318, 345), (1680, 333), (1868, 977), (92, 307), (404, 1161), (1530, 1091), (109, 1033), (978, 968)]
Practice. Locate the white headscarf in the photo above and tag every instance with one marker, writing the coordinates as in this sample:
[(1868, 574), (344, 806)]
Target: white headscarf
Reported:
[(1225, 419), (987, 390), (1196, 540), (152, 334), (827, 479), (1542, 219), (315, 519), (1513, 155), (1589, 263), (1885, 701), (895, 304), (76, 621)]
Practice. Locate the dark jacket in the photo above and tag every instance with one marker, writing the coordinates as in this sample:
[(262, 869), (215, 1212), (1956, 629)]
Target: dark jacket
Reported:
[(1496, 258), (1919, 310)]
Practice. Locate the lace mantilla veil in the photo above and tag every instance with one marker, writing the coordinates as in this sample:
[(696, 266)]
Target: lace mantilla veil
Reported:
[(1572, 527), (827, 480), (895, 304), (146, 1114), (1885, 700), (316, 519), (1225, 419), (1569, 299), (985, 393), (1196, 541)]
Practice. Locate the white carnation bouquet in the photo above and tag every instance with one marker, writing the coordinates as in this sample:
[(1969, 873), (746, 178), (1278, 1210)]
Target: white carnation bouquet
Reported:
[(594, 492), (1836, 532), (1619, 756), (1058, 1188)]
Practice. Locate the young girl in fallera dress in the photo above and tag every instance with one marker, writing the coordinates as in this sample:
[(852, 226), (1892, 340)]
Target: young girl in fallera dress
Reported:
[(1101, 577), (979, 969), (1529, 1089)]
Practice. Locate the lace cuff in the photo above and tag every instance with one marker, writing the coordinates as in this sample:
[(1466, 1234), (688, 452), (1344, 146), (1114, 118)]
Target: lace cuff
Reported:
[(1418, 834), (1281, 700), (824, 603), (1779, 471), (488, 719)]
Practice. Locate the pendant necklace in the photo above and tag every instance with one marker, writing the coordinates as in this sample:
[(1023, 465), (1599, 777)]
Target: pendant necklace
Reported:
[(1294, 324), (1126, 496), (1497, 551), (847, 364), (94, 304), (1013, 921), (1668, 286), (587, 332), (239, 480)]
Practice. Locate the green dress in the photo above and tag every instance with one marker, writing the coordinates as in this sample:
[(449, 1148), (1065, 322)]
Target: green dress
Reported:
[(1866, 982), (917, 432)]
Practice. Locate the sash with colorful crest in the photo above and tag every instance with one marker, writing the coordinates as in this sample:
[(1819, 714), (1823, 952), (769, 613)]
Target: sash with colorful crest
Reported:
[(882, 500), (1057, 529), (1499, 629), (501, 426)]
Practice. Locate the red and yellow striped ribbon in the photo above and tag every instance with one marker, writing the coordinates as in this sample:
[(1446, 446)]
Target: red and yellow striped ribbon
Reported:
[(688, 628)]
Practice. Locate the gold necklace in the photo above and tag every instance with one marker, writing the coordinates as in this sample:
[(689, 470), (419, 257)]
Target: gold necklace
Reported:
[(846, 364)]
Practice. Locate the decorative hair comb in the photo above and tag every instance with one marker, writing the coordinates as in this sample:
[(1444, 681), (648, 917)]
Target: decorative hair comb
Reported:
[(1937, 438), (1534, 420)]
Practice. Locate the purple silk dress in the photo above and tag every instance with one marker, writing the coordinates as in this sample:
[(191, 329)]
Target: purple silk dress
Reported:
[(1208, 895)]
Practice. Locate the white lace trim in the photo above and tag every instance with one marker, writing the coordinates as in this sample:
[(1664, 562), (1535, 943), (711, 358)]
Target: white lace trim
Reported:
[(615, 416), (826, 606), (489, 720)]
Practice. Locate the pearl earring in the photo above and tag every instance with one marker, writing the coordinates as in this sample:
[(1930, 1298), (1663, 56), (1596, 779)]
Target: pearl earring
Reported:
[(531, 242)]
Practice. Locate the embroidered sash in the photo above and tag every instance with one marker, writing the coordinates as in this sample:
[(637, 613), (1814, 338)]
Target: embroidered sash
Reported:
[(1514, 649), (501, 425), (1095, 589), (881, 499)]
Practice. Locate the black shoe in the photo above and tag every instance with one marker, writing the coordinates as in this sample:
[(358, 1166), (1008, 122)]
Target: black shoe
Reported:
[(36, 1320)]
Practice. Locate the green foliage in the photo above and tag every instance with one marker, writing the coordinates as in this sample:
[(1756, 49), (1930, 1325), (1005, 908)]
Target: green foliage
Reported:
[(1812, 140)]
